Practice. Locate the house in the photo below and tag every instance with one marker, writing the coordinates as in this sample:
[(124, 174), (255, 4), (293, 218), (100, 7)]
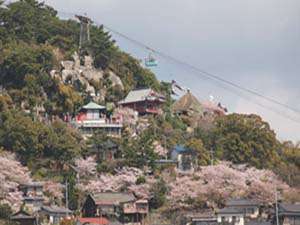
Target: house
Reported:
[(92, 117), (33, 197), (185, 157), (289, 214), (123, 206), (204, 218), (54, 214), (230, 215), (24, 218), (249, 207), (144, 101), (33, 189)]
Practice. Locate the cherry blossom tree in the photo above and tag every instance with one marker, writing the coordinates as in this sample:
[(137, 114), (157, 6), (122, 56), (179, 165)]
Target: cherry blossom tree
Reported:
[(86, 167), (123, 179), (12, 173), (53, 190), (217, 183)]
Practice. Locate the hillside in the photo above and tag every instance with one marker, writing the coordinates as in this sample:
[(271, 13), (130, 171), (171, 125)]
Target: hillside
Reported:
[(45, 78)]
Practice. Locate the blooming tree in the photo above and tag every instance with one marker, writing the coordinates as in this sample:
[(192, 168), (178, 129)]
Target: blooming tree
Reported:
[(86, 167), (53, 190), (123, 179), (223, 181), (159, 149), (12, 173)]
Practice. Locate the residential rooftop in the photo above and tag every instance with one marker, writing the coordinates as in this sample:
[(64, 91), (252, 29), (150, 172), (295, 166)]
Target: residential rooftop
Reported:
[(241, 202), (56, 209), (230, 210), (112, 198), (289, 209)]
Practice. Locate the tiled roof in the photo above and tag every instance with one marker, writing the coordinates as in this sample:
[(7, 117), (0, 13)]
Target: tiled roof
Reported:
[(56, 209), (141, 95), (230, 210), (112, 198), (93, 220), (285, 208), (241, 202), (93, 105), (36, 199), (181, 148), (187, 103), (21, 215), (32, 184)]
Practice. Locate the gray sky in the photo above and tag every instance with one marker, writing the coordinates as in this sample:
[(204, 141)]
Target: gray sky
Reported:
[(254, 43)]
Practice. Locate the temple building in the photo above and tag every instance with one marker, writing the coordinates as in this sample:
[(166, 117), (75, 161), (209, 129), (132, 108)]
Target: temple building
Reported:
[(92, 117), (144, 101)]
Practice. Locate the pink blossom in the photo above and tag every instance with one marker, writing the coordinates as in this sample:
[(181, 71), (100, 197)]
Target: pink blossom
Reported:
[(12, 174), (86, 167)]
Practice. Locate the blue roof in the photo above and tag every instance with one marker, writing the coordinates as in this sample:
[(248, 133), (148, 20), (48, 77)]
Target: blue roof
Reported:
[(180, 148)]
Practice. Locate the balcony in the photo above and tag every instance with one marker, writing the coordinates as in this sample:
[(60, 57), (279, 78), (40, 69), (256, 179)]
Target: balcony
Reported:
[(96, 123)]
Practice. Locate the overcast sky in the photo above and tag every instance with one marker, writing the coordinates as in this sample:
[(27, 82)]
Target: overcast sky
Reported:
[(254, 43)]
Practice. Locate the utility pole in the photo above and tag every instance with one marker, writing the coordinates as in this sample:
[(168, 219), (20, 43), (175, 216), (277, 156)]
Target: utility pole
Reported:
[(67, 196), (276, 206), (85, 23), (211, 157)]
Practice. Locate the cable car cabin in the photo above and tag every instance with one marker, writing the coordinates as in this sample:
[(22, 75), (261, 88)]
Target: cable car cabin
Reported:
[(151, 61)]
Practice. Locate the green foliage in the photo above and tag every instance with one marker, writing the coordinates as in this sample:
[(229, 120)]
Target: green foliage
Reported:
[(5, 211), (246, 139), (159, 191), (140, 152), (21, 59), (289, 167), (140, 180), (34, 39), (196, 145), (33, 140)]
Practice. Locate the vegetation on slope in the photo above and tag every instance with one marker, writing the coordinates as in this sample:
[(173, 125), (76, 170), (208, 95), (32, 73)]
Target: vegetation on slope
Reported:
[(32, 42)]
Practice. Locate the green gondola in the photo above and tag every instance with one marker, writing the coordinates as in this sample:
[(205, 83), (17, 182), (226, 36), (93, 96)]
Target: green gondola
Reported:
[(151, 61)]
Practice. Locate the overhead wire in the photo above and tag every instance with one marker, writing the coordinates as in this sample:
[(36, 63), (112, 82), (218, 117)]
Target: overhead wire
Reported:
[(211, 76)]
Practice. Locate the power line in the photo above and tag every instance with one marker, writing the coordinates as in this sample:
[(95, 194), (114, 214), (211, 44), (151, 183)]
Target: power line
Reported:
[(208, 75), (201, 71), (235, 92)]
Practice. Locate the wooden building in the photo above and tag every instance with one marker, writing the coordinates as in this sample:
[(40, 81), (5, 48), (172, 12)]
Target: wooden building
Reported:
[(54, 214), (92, 117), (115, 205), (230, 215), (144, 101), (24, 218), (289, 214), (250, 208), (33, 196)]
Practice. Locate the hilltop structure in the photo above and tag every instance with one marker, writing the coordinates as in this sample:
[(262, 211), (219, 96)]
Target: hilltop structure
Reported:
[(145, 101), (92, 117), (196, 113)]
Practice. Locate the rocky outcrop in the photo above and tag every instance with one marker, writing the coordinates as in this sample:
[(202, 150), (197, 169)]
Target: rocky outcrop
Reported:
[(72, 72)]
